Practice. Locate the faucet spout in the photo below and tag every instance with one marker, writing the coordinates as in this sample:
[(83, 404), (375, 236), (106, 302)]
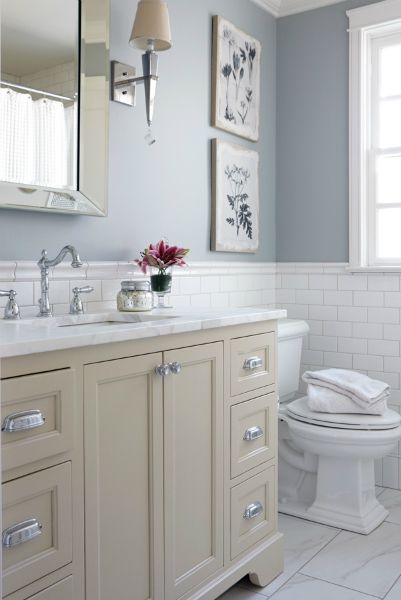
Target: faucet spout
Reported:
[(44, 265)]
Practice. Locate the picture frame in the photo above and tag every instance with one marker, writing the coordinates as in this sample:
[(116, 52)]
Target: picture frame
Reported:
[(235, 198), (235, 80)]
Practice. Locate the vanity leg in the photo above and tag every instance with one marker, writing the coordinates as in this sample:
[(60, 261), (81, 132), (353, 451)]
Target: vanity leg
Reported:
[(268, 564)]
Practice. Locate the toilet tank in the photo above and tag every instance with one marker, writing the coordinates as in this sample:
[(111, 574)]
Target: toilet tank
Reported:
[(290, 335)]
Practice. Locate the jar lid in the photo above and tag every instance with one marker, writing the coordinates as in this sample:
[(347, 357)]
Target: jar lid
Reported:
[(135, 286)]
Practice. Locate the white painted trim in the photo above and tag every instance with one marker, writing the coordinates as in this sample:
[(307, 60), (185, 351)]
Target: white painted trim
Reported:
[(271, 6), (357, 119), (307, 267), (284, 8), (317, 267), (292, 7), (28, 270), (374, 14), (374, 269), (367, 23), (7, 271)]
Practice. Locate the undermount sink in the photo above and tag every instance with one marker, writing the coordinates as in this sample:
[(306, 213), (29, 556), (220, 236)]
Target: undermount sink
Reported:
[(97, 319), (110, 319)]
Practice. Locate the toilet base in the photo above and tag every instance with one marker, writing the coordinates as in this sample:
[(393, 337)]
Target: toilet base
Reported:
[(345, 494), (342, 493), (340, 521)]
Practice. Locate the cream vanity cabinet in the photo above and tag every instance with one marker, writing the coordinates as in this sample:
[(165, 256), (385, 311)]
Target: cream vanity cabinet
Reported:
[(169, 490), (40, 455), (142, 430)]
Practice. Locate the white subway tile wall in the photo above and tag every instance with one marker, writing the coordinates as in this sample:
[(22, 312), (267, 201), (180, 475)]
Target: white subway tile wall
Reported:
[(355, 324), (202, 285)]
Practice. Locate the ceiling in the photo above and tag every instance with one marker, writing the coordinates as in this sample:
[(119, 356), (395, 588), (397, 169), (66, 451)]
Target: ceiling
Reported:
[(37, 34)]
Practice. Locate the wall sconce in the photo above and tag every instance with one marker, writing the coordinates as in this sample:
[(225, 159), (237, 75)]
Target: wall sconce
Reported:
[(151, 32)]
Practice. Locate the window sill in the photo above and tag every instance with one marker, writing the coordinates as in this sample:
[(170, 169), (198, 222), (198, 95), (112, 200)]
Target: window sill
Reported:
[(373, 269)]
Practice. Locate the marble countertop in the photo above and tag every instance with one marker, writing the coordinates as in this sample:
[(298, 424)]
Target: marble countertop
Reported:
[(28, 336)]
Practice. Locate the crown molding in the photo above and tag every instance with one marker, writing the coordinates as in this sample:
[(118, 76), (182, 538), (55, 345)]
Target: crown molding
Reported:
[(291, 7), (284, 8), (271, 6)]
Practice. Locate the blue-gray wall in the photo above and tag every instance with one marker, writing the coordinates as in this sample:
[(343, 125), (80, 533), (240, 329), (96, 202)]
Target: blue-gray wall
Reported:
[(164, 190), (312, 135)]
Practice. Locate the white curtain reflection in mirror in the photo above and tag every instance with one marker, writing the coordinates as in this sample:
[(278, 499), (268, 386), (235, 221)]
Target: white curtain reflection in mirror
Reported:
[(36, 142)]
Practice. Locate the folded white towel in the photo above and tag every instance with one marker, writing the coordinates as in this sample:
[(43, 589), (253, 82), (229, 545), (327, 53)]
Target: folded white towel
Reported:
[(325, 400), (359, 388)]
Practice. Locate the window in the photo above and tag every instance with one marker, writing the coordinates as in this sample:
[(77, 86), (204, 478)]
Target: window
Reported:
[(375, 136)]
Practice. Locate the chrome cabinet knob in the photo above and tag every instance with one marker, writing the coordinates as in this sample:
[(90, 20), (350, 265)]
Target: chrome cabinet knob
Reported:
[(252, 363), (253, 510), (11, 311), (76, 306), (175, 367), (163, 370)]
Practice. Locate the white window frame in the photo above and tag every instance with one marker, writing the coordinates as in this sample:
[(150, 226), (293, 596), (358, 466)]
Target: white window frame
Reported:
[(366, 24)]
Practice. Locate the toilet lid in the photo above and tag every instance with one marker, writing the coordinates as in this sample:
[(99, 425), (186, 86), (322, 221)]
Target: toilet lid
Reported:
[(300, 411)]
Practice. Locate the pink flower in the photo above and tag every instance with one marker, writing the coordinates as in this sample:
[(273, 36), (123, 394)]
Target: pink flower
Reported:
[(162, 256)]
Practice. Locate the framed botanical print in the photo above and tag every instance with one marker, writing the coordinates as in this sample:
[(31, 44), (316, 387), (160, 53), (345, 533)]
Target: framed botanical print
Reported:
[(236, 80), (235, 197)]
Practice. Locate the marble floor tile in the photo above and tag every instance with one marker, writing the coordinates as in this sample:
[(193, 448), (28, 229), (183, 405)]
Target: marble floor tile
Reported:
[(395, 592), (301, 587), (379, 490), (237, 593), (391, 499), (369, 564), (302, 540)]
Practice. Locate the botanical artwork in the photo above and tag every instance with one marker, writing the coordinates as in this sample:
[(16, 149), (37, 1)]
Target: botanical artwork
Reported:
[(235, 225), (236, 80)]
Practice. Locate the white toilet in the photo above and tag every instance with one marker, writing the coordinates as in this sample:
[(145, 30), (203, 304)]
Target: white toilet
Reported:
[(326, 461)]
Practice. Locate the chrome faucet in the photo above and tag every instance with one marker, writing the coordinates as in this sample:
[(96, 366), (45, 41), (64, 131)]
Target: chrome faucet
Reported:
[(44, 265)]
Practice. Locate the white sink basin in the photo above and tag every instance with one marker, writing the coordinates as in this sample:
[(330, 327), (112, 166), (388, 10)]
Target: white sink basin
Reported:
[(111, 319), (96, 319)]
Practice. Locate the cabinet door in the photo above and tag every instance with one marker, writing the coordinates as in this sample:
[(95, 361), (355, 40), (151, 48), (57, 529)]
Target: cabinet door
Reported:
[(193, 467), (124, 479)]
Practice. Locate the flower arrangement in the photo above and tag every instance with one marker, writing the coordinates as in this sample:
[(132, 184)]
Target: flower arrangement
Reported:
[(162, 256)]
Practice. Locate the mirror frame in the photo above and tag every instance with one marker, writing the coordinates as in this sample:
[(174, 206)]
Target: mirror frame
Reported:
[(93, 124)]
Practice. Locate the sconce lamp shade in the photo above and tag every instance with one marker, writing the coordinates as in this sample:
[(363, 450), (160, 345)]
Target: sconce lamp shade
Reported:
[(151, 26)]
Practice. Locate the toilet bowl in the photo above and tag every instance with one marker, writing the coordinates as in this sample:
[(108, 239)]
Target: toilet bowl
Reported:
[(326, 461)]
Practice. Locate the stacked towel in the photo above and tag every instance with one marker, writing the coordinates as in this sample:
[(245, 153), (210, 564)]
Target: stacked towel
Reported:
[(342, 391)]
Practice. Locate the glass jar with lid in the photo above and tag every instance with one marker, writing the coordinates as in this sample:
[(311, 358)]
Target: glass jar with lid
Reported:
[(135, 296)]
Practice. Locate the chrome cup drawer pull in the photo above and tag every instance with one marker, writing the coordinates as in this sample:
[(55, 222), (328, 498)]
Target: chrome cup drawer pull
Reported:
[(253, 433), (253, 510), (21, 533), (252, 363), (22, 421)]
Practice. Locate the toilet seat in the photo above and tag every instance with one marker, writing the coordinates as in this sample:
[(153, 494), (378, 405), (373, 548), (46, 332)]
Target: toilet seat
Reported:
[(299, 410)]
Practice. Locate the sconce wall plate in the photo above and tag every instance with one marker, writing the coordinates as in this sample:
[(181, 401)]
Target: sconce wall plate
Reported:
[(121, 73)]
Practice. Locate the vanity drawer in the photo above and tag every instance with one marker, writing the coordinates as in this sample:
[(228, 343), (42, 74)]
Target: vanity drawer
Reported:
[(253, 511), (63, 590), (37, 417), (253, 433), (37, 526), (252, 363)]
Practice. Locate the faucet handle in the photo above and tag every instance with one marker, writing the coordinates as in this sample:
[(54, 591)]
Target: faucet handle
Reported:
[(11, 311), (76, 306)]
